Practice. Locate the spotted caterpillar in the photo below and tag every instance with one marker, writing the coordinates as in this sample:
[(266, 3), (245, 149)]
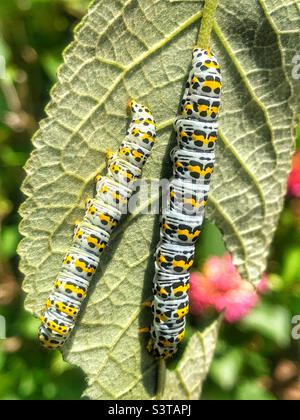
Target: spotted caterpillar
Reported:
[(181, 225), (92, 235)]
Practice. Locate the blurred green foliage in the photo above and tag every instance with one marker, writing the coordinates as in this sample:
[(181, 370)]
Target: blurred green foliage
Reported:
[(33, 34), (255, 359)]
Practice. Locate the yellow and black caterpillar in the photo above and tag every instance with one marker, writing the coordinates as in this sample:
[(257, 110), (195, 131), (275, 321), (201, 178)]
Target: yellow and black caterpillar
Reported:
[(194, 160), (92, 235)]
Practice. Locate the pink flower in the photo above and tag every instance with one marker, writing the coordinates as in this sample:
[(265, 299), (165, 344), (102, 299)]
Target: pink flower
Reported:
[(263, 286), (294, 178), (220, 287)]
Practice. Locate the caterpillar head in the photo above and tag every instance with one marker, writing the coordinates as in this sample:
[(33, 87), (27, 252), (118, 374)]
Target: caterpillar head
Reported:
[(139, 109), (204, 59), (202, 54)]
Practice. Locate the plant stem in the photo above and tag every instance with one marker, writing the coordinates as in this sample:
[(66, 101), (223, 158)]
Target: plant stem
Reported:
[(161, 379), (207, 23)]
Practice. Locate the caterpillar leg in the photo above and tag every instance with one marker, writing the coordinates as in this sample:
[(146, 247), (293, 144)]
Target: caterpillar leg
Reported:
[(131, 103), (87, 202), (76, 225), (150, 345), (109, 155), (145, 330), (147, 304)]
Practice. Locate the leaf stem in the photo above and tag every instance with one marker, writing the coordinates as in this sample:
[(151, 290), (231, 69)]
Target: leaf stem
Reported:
[(207, 22), (161, 379)]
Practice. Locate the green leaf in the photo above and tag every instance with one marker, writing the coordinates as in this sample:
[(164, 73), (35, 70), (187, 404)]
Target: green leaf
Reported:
[(253, 391), (272, 321), (291, 266), (9, 239), (210, 244), (298, 137), (118, 53), (225, 371), (257, 362)]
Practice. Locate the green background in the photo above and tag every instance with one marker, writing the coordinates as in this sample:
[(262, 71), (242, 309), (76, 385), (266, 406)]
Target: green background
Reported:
[(256, 359)]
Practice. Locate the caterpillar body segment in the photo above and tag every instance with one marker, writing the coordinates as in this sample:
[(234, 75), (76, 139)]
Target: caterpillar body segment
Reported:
[(90, 238), (181, 224), (124, 172), (188, 197), (190, 166), (170, 286), (71, 286), (181, 228), (80, 263), (142, 129), (104, 217), (196, 135), (174, 258), (92, 235), (135, 154), (111, 193)]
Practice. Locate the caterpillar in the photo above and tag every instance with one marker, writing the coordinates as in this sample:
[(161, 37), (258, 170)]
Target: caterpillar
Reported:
[(92, 235), (181, 224)]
